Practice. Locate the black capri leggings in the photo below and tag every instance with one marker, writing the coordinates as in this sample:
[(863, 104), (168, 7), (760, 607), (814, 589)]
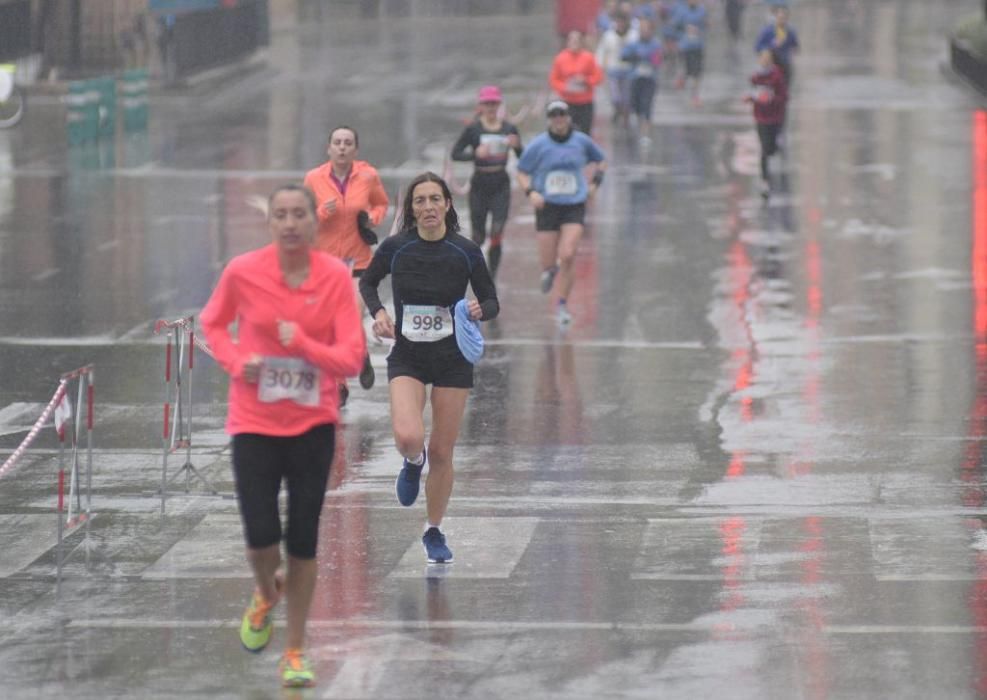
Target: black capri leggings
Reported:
[(260, 462)]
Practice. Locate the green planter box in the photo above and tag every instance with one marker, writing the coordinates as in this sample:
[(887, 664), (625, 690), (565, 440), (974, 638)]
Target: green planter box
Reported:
[(107, 105), (133, 99), (91, 109), (82, 113)]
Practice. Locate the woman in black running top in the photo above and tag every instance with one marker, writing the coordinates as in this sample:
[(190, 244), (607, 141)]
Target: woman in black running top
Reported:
[(488, 142), (430, 266)]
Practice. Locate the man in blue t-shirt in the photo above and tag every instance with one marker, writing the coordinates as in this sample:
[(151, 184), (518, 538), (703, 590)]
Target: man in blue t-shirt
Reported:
[(692, 22), (644, 55), (551, 171)]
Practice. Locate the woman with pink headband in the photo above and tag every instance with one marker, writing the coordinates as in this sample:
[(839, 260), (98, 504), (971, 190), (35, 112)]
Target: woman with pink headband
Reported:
[(488, 141)]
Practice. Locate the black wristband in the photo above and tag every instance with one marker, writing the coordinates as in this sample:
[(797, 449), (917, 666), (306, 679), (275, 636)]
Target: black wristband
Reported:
[(598, 177), (528, 191)]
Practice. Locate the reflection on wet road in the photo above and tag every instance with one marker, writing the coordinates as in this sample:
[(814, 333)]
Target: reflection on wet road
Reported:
[(753, 467)]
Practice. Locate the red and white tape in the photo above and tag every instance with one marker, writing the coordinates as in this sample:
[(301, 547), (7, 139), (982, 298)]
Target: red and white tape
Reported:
[(188, 326), (35, 429)]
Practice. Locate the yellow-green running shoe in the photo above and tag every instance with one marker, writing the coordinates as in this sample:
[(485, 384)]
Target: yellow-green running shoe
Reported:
[(296, 671), (257, 626)]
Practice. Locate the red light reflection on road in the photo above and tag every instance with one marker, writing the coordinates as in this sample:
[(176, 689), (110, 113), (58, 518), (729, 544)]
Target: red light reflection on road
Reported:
[(741, 270), (979, 261), (735, 469), (973, 495), (731, 534), (344, 587), (742, 380), (971, 470), (813, 269), (742, 359), (812, 641)]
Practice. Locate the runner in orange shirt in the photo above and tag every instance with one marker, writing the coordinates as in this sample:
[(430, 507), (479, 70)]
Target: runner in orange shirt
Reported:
[(351, 201), (574, 75), (298, 332)]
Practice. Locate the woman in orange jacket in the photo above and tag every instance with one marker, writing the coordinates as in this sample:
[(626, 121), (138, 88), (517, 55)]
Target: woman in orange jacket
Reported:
[(574, 74), (351, 200)]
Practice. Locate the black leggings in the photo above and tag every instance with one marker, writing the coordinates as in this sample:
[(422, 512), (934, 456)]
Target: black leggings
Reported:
[(734, 12), (260, 462), (788, 71), (490, 193), (768, 134)]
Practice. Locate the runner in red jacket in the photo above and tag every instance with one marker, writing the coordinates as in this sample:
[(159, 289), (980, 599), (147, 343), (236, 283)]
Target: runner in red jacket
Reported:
[(770, 99), (574, 75), (351, 202)]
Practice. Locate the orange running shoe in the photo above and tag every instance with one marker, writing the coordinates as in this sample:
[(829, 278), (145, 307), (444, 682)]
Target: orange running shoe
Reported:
[(296, 671)]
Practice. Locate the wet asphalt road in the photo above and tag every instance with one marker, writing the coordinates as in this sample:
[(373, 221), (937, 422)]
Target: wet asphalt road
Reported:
[(752, 468)]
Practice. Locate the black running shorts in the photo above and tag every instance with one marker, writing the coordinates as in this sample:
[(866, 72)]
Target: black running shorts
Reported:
[(693, 62), (551, 216), (445, 370)]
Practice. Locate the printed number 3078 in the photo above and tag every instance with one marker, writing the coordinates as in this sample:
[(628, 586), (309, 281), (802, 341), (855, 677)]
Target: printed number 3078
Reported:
[(287, 379)]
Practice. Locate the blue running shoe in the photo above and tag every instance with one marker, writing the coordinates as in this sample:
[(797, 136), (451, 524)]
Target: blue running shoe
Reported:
[(435, 547), (406, 484)]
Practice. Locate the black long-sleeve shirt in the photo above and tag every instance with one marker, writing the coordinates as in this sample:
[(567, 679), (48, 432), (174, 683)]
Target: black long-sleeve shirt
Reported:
[(429, 273), (475, 134)]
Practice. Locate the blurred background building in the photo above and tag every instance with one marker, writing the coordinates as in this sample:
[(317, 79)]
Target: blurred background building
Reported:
[(176, 38)]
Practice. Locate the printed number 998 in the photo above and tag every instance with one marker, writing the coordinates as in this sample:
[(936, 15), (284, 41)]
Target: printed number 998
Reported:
[(426, 323)]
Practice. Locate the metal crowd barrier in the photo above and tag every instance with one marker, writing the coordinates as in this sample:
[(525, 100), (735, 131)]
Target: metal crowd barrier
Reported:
[(76, 510), (177, 424)]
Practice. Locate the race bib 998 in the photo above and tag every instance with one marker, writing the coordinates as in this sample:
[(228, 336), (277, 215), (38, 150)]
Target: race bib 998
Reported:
[(426, 324)]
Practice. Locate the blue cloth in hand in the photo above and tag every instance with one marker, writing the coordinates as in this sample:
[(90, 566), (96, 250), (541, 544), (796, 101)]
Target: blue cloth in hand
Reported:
[(468, 335)]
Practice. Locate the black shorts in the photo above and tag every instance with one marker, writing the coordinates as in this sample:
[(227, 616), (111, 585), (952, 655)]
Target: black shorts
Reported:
[(643, 96), (582, 117), (260, 462), (442, 369), (693, 62), (551, 216)]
